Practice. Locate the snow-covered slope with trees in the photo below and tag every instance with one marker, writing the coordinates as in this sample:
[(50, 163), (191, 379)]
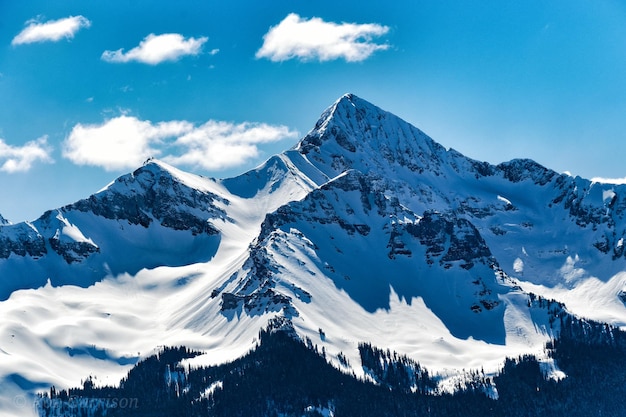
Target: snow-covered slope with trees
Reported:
[(367, 231)]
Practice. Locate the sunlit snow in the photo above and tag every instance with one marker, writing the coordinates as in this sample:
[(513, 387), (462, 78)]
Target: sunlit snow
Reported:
[(343, 249)]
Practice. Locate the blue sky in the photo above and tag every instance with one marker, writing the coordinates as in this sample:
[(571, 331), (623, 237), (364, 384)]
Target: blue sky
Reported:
[(89, 89)]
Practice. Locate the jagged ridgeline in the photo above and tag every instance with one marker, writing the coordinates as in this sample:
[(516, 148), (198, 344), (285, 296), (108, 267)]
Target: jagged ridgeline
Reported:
[(396, 276)]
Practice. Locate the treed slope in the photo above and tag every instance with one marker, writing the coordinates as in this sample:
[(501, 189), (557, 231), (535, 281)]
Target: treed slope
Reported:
[(288, 377)]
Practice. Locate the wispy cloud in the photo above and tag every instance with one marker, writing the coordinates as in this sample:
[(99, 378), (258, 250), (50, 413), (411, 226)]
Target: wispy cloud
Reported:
[(125, 142), (51, 31), (155, 49), (21, 158), (315, 39), (217, 145)]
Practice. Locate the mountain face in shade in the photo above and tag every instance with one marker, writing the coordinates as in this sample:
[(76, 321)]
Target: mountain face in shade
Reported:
[(367, 231)]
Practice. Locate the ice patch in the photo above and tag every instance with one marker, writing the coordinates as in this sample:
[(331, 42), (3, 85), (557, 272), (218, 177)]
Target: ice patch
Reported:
[(212, 388), (550, 369), (321, 411), (569, 272), (504, 200), (608, 194), (518, 266), (71, 231)]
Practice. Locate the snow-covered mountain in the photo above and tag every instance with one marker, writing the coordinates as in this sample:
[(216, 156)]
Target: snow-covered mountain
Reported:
[(367, 231), (145, 219)]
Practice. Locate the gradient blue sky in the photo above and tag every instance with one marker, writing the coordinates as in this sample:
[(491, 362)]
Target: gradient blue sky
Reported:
[(88, 89)]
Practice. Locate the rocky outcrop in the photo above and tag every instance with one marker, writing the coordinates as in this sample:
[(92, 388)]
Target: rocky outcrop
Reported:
[(22, 240), (152, 194), (450, 239)]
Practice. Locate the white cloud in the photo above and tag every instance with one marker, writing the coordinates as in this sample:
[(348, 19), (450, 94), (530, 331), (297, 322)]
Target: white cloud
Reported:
[(312, 39), (155, 49), (119, 143), (217, 145), (617, 181), (21, 158), (52, 30), (125, 142)]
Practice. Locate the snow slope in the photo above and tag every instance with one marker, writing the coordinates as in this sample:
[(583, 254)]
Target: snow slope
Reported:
[(366, 231)]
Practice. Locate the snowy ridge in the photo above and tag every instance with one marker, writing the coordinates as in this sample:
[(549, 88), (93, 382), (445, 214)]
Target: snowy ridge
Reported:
[(156, 215), (367, 231)]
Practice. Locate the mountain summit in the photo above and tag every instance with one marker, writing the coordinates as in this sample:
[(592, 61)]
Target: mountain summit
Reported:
[(355, 134), (365, 232)]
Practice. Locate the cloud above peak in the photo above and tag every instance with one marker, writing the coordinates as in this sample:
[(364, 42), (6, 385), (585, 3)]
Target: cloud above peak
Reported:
[(50, 31), (155, 49), (124, 142), (315, 39), (119, 143), (217, 145), (616, 181)]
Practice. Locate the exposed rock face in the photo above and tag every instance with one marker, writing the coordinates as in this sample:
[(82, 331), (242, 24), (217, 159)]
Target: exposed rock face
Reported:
[(22, 241), (450, 239), (523, 169), (72, 251), (151, 193)]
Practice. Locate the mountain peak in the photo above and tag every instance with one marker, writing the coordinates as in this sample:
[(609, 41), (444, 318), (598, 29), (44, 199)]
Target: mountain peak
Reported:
[(346, 97), (346, 107), (355, 134), (3, 221), (350, 99), (155, 171), (350, 104), (157, 166)]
